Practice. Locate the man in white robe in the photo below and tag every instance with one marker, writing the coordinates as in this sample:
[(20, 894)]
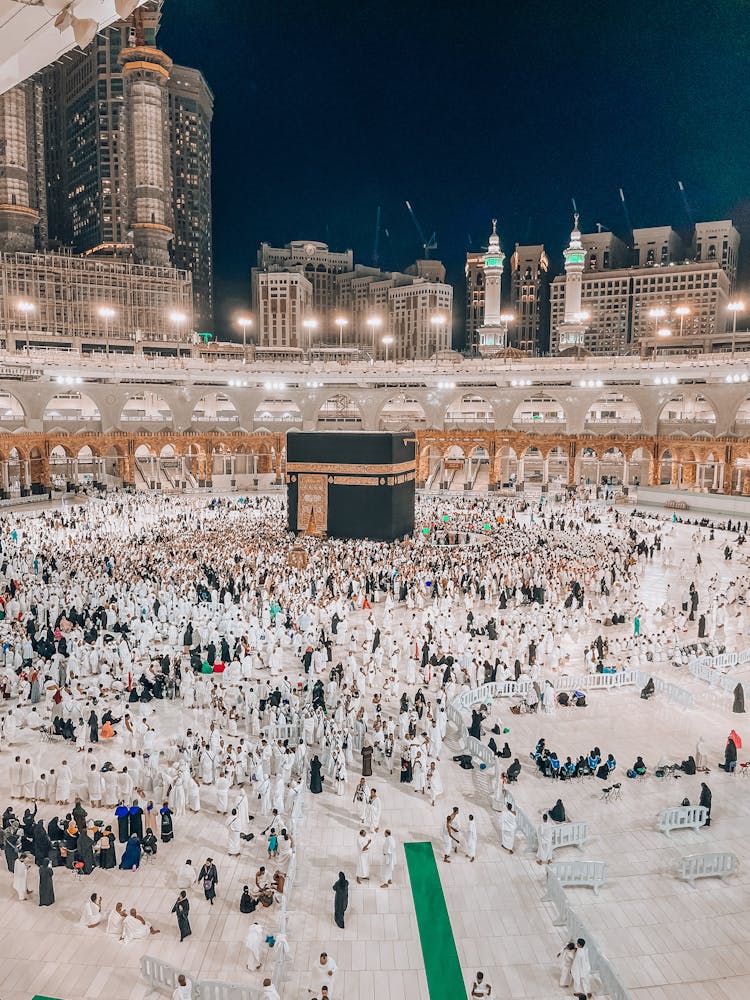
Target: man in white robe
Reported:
[(20, 878), (186, 875), (183, 990), (372, 812), (91, 914), (509, 823), (254, 943), (544, 841), (233, 835), (580, 970), (135, 928), (63, 784), (363, 857), (389, 859)]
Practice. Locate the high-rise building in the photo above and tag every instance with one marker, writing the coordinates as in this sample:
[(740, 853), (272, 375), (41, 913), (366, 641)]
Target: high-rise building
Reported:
[(23, 217), (413, 308), (283, 303), (190, 113), (89, 304), (664, 302), (474, 272), (718, 241), (658, 245), (605, 251), (119, 121), (319, 265), (529, 299)]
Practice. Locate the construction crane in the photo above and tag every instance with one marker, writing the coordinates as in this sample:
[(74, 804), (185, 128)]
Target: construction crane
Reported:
[(427, 245), (376, 241)]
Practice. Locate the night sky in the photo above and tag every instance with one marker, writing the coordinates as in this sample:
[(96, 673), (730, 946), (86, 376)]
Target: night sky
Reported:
[(325, 110)]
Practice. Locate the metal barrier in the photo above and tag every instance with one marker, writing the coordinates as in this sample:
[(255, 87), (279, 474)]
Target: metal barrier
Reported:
[(681, 818), (568, 918), (212, 989), (524, 825), (291, 733), (594, 682), (588, 873), (569, 835), (715, 679), (478, 749), (708, 866), (160, 975), (680, 696)]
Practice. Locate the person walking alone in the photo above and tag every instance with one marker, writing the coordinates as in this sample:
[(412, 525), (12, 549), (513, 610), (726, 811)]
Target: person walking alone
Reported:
[(181, 909)]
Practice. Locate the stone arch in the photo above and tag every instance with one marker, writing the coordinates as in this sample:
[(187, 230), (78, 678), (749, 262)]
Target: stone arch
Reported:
[(612, 466), (640, 467), (147, 411), (687, 409), (215, 411), (469, 410), (586, 465), (429, 464), (339, 410), (401, 413), (558, 464), (454, 465), (12, 412), (506, 465), (531, 464), (540, 412), (616, 410), (72, 410), (278, 410)]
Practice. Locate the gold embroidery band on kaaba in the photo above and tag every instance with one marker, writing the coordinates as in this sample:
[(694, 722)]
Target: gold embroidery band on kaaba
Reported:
[(406, 477), (336, 469)]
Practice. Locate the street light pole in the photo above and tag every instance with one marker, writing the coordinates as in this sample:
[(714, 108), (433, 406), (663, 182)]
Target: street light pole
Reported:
[(436, 321), (26, 308), (374, 322), (106, 313), (387, 340), (341, 322), (309, 325), (244, 322), (734, 308)]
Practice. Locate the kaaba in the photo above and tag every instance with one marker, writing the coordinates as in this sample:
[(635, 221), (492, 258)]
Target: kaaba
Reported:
[(351, 485)]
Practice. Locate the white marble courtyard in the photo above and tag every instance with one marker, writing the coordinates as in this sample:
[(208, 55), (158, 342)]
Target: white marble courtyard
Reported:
[(666, 940)]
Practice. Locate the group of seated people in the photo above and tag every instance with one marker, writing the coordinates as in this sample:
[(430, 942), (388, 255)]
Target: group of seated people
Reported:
[(549, 764), (266, 893)]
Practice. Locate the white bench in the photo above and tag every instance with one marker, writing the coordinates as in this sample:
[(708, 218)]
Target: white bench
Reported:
[(587, 873), (681, 818), (569, 835), (707, 866)]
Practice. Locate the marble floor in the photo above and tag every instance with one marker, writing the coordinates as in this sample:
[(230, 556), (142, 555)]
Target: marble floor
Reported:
[(667, 941)]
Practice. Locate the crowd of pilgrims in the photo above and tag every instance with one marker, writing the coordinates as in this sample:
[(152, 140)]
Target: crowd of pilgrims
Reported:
[(110, 608)]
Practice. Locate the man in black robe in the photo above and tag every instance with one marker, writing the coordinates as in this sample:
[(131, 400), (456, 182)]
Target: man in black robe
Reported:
[(46, 886), (181, 909), (340, 899), (85, 851), (739, 700)]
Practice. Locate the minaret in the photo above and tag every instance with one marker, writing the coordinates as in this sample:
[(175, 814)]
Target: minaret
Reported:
[(145, 72), (494, 260), (571, 330), (492, 333), (18, 218)]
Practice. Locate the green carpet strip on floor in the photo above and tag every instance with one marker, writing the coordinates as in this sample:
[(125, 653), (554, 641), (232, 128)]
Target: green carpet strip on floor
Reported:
[(444, 978)]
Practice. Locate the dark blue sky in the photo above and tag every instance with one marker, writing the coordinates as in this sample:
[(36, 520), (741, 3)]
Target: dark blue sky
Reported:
[(326, 110)]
